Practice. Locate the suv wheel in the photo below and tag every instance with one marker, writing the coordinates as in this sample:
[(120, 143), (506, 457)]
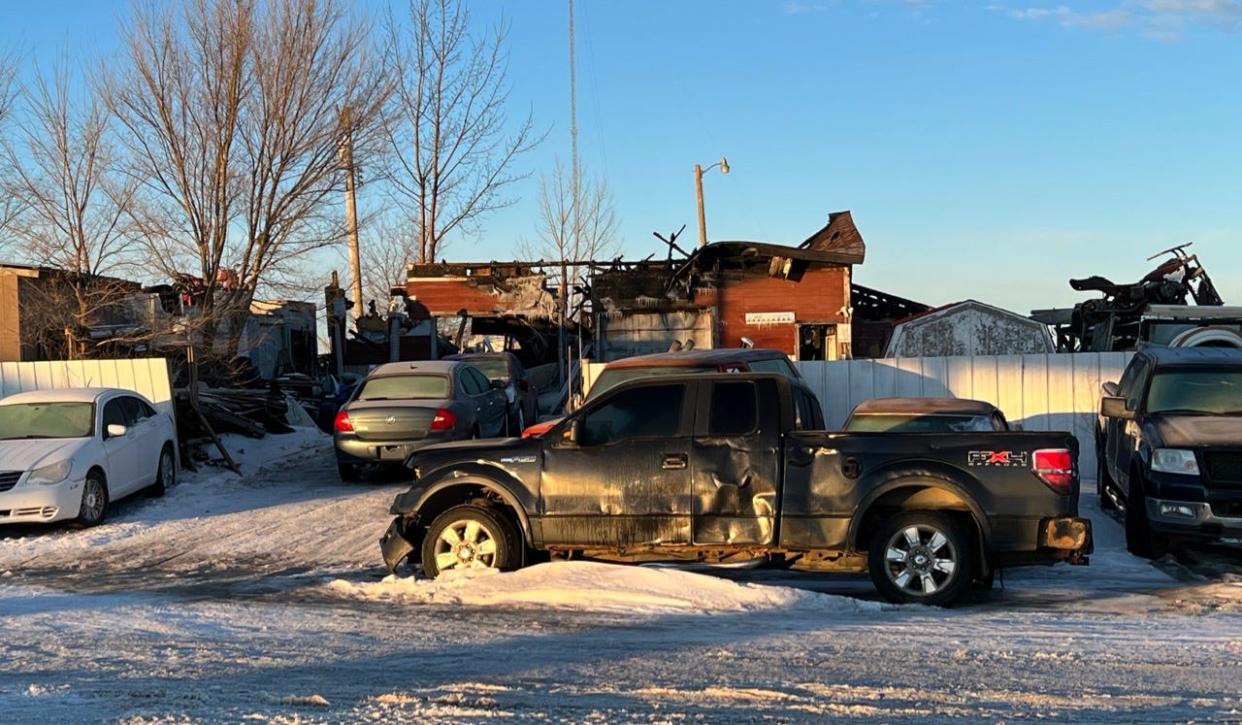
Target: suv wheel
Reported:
[(921, 557), (1140, 539), (471, 537)]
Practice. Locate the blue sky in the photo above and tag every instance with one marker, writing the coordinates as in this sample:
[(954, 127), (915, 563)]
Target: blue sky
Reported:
[(987, 149)]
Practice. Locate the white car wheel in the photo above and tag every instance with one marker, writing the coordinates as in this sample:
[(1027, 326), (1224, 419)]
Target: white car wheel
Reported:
[(94, 501)]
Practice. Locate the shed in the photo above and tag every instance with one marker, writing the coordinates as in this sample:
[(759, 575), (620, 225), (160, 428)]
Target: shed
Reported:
[(968, 328)]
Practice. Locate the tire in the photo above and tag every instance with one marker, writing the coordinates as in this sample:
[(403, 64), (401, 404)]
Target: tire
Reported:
[(1140, 539), (1103, 482), (921, 557), (94, 507), (471, 537), (348, 472), (165, 473)]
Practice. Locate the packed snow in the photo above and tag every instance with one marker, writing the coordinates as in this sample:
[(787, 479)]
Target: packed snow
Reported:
[(262, 598), (594, 587)]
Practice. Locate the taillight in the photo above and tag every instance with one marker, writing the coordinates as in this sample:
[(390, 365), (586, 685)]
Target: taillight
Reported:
[(444, 420), (342, 424), (1055, 467)]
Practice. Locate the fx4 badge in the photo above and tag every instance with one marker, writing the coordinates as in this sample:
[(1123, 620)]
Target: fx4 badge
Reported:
[(1008, 459)]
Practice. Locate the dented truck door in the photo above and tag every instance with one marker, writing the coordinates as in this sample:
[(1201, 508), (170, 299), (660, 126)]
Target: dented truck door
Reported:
[(735, 459), (625, 481)]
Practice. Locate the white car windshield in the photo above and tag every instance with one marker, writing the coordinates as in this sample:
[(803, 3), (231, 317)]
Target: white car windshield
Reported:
[(46, 420)]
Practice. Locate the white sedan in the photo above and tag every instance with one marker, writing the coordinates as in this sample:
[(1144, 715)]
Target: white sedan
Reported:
[(65, 454)]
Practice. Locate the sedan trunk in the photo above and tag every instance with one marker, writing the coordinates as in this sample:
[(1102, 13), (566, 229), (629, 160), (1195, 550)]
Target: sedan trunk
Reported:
[(398, 420)]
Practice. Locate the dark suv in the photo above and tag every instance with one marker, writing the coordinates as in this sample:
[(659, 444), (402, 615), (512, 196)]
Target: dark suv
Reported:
[(1169, 446)]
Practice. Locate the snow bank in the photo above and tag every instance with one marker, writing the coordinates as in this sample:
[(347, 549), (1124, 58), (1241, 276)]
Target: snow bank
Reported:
[(595, 587)]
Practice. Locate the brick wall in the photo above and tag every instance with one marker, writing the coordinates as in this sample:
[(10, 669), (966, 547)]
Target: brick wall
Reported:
[(818, 297)]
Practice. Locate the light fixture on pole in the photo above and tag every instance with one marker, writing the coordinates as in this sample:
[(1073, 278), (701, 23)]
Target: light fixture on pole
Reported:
[(698, 189)]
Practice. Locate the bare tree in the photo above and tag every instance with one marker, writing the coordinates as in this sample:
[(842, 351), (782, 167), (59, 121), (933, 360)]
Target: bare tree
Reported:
[(8, 90), (72, 202), (453, 148), (388, 247), (563, 235), (231, 110)]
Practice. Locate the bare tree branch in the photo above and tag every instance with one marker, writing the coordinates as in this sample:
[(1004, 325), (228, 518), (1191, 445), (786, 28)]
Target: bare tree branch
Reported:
[(231, 111), (72, 203), (562, 235), (454, 156)]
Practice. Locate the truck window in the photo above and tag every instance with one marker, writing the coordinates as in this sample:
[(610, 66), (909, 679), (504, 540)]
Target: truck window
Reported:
[(1130, 388), (648, 412), (734, 411), (806, 412)]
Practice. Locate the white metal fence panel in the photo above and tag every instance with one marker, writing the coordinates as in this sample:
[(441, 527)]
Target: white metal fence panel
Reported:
[(1042, 392), (148, 376)]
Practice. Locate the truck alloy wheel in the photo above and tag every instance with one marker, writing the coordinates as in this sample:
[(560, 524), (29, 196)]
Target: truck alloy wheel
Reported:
[(470, 537), (920, 557)]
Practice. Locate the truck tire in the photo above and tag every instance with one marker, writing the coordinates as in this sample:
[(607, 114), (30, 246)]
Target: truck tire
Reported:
[(921, 557), (1103, 482), (471, 537), (1140, 539)]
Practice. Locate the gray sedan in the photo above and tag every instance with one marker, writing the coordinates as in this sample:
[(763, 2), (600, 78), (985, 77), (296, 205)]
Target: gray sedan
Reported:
[(401, 407)]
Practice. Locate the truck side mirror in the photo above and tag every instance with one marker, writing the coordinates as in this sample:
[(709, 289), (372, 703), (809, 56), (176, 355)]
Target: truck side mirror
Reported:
[(1114, 407), (1109, 389)]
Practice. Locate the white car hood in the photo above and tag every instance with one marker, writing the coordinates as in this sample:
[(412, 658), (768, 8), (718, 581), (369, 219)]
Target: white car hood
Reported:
[(23, 455)]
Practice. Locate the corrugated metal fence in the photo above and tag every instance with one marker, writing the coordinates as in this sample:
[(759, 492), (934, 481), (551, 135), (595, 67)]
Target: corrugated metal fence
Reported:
[(1042, 392), (148, 376)]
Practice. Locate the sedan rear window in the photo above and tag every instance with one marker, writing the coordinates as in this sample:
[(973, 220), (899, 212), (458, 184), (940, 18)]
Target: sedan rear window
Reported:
[(888, 423), (404, 387), (46, 420)]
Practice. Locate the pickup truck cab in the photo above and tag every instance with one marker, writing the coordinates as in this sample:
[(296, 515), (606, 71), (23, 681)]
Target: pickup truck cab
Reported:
[(719, 467), (1169, 446)]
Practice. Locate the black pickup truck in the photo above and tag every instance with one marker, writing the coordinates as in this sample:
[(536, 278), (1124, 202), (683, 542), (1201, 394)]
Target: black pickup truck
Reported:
[(730, 467), (1169, 447)]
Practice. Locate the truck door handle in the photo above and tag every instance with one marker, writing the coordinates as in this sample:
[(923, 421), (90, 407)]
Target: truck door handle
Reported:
[(674, 461)]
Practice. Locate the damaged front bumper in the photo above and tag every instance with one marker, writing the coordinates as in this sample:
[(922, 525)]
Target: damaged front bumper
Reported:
[(394, 545), (1069, 538)]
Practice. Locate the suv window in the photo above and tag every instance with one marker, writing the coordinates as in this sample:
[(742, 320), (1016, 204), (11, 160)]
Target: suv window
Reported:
[(648, 412), (1133, 382), (733, 409), (780, 366), (470, 382)]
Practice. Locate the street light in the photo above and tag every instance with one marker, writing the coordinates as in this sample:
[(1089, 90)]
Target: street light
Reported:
[(698, 188)]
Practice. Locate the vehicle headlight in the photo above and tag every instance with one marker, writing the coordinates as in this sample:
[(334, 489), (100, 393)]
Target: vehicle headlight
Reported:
[(51, 473), (1174, 460)]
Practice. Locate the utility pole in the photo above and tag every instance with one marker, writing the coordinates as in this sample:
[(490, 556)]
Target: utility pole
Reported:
[(698, 191), (351, 209)]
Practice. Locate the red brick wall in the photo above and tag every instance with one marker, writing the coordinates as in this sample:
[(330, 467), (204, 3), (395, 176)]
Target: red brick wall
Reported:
[(448, 296), (818, 297)]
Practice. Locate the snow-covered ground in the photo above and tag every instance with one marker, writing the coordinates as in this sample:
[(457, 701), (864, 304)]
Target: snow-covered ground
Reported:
[(262, 598)]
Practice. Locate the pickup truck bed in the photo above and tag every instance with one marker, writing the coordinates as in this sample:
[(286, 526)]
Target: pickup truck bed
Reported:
[(721, 466)]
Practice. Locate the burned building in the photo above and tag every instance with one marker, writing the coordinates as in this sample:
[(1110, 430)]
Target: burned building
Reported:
[(796, 299), (513, 300)]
